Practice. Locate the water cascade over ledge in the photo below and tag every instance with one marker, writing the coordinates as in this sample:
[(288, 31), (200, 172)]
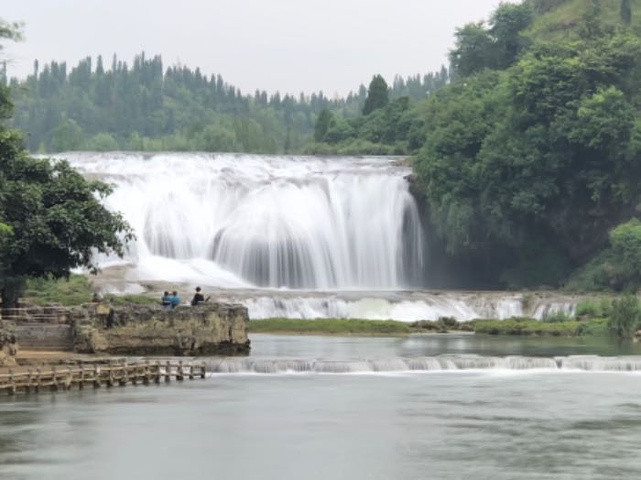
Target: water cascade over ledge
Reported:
[(241, 221), (425, 364)]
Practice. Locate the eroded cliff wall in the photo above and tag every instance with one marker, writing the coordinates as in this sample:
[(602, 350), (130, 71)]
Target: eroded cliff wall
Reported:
[(209, 329)]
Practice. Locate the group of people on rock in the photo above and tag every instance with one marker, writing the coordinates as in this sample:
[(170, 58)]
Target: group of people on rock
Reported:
[(171, 301)]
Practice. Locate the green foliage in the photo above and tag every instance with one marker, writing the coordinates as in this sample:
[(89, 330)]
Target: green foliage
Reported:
[(557, 317), (330, 327), (625, 317), (538, 160), (616, 268), (499, 46), (68, 292), (322, 124), (52, 216), (594, 308), (377, 95), (626, 12), (526, 326), (146, 107)]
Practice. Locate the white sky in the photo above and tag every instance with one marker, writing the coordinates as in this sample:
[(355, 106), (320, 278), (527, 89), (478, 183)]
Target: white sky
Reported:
[(285, 45)]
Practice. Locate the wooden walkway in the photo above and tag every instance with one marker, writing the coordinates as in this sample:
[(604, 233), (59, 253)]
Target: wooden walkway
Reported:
[(66, 378)]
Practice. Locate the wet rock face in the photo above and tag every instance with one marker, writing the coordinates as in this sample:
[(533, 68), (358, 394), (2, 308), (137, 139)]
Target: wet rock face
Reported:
[(210, 329), (8, 347)]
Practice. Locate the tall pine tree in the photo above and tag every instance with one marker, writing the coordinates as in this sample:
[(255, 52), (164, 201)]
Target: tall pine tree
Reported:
[(626, 12), (377, 95)]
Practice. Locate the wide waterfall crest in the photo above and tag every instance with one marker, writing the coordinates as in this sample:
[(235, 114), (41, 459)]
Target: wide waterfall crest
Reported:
[(244, 220), (424, 364)]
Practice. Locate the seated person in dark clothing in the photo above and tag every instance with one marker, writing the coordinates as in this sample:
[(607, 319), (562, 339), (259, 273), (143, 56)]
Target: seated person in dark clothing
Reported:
[(198, 298)]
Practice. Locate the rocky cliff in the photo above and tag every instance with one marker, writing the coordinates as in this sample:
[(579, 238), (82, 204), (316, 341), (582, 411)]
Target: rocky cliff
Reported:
[(209, 329)]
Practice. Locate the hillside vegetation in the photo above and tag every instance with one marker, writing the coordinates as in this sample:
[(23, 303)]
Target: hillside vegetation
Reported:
[(534, 154)]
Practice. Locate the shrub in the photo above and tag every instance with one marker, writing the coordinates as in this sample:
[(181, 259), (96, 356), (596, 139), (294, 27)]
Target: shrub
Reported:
[(625, 317)]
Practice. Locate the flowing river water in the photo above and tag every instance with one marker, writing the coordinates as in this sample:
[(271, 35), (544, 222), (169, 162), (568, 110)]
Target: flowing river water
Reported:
[(504, 409)]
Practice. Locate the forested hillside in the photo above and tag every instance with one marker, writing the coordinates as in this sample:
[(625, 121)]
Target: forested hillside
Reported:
[(147, 106), (534, 154)]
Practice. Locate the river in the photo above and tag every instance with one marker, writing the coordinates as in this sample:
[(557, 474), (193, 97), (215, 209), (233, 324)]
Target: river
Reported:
[(491, 421)]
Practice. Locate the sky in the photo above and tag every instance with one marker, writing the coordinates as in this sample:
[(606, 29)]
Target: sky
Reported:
[(290, 46)]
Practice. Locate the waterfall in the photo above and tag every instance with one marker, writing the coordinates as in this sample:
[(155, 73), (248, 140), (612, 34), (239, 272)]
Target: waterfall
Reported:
[(425, 364), (243, 221)]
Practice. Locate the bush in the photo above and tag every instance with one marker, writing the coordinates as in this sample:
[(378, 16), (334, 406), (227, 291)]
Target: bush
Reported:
[(625, 317), (594, 308), (557, 317)]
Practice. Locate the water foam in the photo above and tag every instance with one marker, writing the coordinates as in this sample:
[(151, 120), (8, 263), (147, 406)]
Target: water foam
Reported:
[(240, 220), (424, 364)]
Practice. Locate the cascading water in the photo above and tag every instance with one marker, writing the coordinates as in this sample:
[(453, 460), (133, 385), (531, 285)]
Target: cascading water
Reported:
[(425, 364), (240, 221)]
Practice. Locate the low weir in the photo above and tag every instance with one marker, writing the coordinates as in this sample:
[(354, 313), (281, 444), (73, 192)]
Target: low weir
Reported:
[(424, 364)]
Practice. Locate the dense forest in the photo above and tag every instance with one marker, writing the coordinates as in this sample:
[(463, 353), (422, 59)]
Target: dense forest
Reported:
[(532, 158), (145, 106)]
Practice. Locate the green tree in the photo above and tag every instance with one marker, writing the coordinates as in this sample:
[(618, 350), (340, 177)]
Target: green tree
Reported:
[(506, 24), (322, 124), (67, 136), (625, 317), (473, 50), (52, 219), (626, 12), (377, 95)]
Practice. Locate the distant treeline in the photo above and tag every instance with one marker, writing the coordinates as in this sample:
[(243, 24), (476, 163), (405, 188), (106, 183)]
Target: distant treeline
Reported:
[(145, 106)]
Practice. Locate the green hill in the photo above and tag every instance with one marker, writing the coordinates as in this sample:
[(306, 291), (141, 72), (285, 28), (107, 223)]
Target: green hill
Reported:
[(533, 156), (561, 18)]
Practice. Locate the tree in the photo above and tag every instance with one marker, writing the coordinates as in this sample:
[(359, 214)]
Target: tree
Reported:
[(473, 50), (322, 124), (506, 25), (377, 95), (626, 12), (51, 218)]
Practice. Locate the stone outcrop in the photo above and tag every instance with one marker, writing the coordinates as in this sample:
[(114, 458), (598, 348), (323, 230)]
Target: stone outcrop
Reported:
[(8, 347), (209, 329)]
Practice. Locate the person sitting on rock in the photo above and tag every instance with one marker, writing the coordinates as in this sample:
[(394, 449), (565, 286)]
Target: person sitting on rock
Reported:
[(174, 299), (165, 301), (198, 298)]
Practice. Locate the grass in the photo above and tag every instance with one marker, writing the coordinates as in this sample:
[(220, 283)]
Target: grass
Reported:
[(531, 327), (74, 291), (564, 20), (330, 327)]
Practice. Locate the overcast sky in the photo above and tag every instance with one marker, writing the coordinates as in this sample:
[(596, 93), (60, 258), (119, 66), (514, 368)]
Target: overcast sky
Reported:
[(285, 45)]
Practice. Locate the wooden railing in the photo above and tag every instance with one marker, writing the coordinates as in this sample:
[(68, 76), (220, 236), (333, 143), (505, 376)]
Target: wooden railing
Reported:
[(57, 378), (35, 314)]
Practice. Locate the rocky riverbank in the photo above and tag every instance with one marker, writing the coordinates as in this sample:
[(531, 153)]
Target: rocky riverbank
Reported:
[(210, 329)]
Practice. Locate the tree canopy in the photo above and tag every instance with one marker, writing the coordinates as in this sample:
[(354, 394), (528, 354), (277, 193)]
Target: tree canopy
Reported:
[(377, 95), (532, 164)]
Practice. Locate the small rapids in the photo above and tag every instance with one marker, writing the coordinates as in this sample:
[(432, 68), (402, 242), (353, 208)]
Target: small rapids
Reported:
[(423, 364)]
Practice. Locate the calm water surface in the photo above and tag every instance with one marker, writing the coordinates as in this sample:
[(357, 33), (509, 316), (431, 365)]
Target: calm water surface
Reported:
[(495, 424)]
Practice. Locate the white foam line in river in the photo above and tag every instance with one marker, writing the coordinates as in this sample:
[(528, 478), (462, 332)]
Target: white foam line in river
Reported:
[(443, 363)]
